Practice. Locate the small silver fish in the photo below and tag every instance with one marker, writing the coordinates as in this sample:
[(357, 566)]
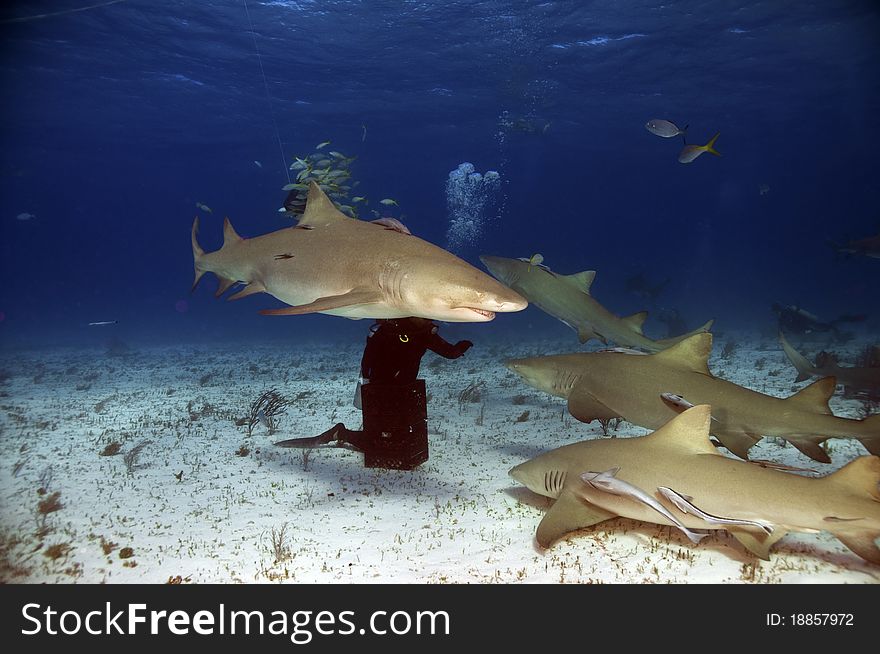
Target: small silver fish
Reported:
[(259, 165), (389, 202), (25, 216), (322, 144), (101, 323), (608, 482), (204, 207), (665, 128), (261, 416)]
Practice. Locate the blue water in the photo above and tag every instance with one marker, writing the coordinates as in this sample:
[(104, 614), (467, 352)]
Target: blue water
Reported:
[(117, 119)]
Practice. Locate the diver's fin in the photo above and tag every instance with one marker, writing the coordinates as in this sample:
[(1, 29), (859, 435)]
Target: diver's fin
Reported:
[(568, 514), (329, 303), (250, 289), (757, 541)]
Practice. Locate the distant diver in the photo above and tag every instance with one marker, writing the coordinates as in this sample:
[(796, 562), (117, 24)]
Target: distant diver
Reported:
[(392, 398), (795, 320)]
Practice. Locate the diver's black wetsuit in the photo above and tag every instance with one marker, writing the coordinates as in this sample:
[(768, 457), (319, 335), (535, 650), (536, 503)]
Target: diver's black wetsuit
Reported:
[(395, 349), (391, 359)]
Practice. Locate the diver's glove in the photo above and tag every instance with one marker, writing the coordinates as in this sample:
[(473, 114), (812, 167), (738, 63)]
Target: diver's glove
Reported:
[(463, 346)]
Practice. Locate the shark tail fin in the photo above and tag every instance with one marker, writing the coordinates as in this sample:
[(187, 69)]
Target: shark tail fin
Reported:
[(872, 440), (710, 146), (804, 367), (198, 253)]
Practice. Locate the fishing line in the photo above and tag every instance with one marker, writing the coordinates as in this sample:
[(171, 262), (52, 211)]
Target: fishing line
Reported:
[(268, 97)]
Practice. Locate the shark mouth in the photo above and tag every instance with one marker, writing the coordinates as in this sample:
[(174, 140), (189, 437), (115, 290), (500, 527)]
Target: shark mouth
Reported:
[(489, 315)]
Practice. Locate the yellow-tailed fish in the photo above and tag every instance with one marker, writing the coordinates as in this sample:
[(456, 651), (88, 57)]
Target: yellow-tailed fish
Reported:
[(359, 198), (321, 145), (388, 202), (691, 152)]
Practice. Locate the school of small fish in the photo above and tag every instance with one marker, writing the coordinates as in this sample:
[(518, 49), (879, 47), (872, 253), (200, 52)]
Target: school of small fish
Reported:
[(331, 170)]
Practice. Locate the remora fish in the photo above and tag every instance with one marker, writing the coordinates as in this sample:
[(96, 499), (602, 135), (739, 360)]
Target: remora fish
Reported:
[(857, 379), (607, 482), (347, 267), (606, 385), (680, 456), (567, 298)]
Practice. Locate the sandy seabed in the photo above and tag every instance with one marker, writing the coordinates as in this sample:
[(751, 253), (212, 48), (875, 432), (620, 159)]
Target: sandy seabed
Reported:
[(205, 502)]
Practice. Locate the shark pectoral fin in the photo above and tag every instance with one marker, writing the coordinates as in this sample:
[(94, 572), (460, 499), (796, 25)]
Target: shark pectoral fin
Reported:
[(862, 543), (569, 513), (250, 289), (225, 283), (737, 442), (757, 541), (329, 303), (584, 406), (585, 334), (811, 445)]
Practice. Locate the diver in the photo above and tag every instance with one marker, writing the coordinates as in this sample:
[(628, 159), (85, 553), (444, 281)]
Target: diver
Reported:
[(795, 320), (392, 398)]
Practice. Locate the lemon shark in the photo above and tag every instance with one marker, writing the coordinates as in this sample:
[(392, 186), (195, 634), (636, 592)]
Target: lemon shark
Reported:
[(855, 378), (330, 263), (696, 488), (567, 298), (606, 385)]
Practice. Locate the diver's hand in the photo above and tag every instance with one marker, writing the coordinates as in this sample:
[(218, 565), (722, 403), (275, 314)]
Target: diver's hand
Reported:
[(463, 346)]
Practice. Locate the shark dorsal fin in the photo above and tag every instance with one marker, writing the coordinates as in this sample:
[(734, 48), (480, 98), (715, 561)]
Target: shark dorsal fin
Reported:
[(636, 321), (688, 430), (814, 398), (230, 236), (320, 209), (862, 475), (582, 281), (691, 353)]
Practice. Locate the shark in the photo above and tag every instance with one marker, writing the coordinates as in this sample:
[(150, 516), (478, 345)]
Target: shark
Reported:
[(865, 379), (568, 299), (867, 247), (698, 488), (610, 384), (333, 264)]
